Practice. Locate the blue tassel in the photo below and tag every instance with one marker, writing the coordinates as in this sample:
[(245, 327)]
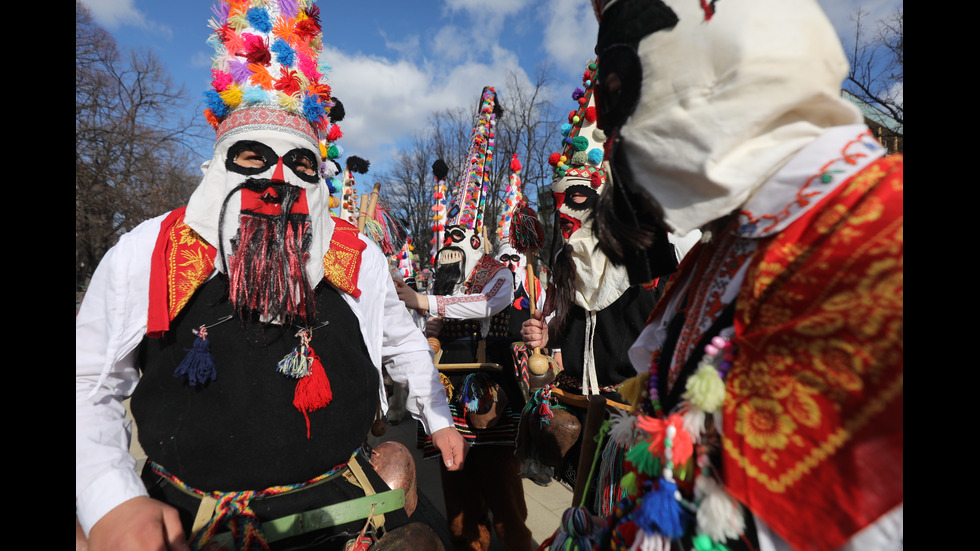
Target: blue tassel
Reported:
[(197, 367), (476, 392), (660, 511)]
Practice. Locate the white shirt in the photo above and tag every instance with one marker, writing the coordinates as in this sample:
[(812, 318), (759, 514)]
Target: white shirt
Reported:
[(112, 322), (495, 296)]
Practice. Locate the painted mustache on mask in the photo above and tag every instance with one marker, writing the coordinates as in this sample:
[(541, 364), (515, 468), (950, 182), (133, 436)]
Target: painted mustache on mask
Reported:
[(266, 269)]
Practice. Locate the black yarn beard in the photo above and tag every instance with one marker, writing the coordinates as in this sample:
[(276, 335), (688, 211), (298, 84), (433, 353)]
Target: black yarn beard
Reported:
[(561, 292), (266, 269), (446, 278), (628, 228)]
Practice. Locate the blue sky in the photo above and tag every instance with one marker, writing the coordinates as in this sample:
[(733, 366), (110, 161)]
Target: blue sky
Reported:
[(396, 62)]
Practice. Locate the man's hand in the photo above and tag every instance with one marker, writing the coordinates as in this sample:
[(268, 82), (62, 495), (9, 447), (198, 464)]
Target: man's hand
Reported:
[(534, 331), (453, 447), (412, 298), (433, 326), (139, 523)]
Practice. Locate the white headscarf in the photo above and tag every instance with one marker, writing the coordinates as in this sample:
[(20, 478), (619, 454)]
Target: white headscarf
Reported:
[(726, 99)]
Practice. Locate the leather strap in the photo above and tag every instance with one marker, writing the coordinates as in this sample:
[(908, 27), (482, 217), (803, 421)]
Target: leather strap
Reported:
[(361, 480), (327, 516)]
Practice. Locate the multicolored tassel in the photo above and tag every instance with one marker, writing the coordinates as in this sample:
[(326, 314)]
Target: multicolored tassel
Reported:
[(197, 367), (576, 532), (313, 388)]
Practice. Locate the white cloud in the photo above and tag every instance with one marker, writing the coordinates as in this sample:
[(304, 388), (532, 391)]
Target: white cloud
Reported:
[(481, 9), (842, 12), (570, 34), (388, 101), (113, 14)]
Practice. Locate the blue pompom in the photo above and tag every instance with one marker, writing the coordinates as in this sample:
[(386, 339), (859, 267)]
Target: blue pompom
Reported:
[(566, 129), (254, 94), (285, 54), (259, 18), (197, 367), (660, 511), (312, 108), (595, 155), (214, 102)]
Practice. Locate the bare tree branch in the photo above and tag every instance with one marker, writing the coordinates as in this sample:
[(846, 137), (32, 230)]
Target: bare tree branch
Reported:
[(131, 149)]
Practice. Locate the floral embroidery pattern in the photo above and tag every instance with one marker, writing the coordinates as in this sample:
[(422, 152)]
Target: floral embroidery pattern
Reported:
[(819, 325), (190, 260)]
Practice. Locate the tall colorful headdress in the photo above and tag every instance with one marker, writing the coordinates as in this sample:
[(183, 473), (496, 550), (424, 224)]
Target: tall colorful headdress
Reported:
[(512, 199), (439, 201), (266, 65), (407, 260), (470, 194), (582, 143)]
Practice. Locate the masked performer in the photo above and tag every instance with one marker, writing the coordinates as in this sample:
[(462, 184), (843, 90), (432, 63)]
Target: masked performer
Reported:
[(250, 329), (773, 365), (469, 299)]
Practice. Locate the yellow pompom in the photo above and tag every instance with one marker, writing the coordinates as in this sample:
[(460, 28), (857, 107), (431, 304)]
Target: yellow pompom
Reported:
[(232, 96), (334, 202), (705, 389), (631, 388)]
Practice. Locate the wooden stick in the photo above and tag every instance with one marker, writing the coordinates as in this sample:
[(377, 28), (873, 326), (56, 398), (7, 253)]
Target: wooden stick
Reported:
[(532, 292), (594, 417), (362, 214), (373, 203)]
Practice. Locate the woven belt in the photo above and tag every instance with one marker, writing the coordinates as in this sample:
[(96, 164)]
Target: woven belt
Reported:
[(233, 509)]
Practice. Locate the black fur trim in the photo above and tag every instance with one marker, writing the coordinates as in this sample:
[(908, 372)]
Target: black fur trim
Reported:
[(440, 169), (357, 164), (337, 111)]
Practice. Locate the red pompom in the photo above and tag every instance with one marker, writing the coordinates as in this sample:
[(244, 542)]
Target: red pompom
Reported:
[(595, 179), (515, 163), (334, 134), (554, 158), (590, 114)]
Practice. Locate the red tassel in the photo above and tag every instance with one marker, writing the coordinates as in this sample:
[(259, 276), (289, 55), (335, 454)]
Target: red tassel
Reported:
[(313, 391)]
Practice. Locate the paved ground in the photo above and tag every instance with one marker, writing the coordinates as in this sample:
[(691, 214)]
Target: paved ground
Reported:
[(545, 504)]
